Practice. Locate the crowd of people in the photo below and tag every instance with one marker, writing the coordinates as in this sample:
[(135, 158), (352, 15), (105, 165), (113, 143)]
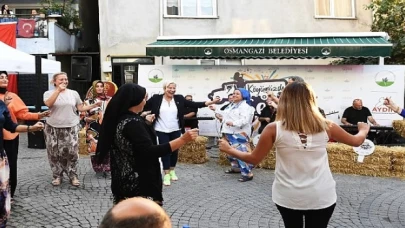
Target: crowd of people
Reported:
[(128, 134)]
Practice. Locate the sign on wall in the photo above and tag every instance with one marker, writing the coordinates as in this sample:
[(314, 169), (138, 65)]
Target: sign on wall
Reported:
[(335, 86)]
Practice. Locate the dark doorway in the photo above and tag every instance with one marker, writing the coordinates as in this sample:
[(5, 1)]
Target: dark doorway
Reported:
[(125, 69)]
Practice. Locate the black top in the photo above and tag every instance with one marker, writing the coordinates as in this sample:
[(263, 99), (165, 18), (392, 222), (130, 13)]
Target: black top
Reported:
[(191, 123), (269, 112), (5, 122), (135, 167), (354, 116), (154, 103)]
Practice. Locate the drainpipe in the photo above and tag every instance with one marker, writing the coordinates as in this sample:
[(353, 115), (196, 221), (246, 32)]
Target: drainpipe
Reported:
[(161, 13)]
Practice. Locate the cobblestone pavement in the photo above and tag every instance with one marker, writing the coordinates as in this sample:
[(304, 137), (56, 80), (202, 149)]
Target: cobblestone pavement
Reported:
[(203, 197)]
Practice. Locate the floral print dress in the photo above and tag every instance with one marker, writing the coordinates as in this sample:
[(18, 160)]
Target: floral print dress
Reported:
[(93, 120)]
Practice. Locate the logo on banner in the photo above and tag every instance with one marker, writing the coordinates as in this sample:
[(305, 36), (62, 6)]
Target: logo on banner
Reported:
[(326, 51), (385, 78), (380, 108), (155, 75), (257, 88), (208, 51)]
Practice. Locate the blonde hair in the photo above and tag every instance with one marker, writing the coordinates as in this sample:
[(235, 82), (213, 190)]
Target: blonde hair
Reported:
[(167, 83), (57, 74), (52, 82), (299, 111)]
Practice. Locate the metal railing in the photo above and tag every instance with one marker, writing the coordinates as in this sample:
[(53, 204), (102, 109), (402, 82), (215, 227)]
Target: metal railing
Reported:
[(28, 26)]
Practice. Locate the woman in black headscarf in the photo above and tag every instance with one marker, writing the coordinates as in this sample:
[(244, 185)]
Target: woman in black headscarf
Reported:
[(131, 143)]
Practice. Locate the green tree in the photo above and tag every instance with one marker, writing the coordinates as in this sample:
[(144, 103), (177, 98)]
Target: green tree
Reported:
[(69, 15), (389, 17)]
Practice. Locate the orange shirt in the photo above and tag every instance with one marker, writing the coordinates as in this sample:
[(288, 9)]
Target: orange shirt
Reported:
[(18, 110)]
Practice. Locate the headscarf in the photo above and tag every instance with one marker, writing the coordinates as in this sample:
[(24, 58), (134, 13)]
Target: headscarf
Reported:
[(94, 85), (127, 96), (245, 95)]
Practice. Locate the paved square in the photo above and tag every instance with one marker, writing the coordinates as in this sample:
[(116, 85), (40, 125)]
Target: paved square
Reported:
[(203, 197)]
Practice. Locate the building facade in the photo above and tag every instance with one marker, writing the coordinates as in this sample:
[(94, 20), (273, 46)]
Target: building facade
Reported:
[(126, 27)]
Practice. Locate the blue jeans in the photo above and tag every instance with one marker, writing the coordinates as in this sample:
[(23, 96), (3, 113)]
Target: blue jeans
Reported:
[(169, 160)]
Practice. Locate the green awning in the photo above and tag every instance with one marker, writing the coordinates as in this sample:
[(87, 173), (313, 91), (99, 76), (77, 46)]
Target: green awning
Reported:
[(372, 45)]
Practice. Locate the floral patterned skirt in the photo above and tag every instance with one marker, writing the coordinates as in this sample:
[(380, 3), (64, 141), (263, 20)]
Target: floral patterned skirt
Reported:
[(5, 197)]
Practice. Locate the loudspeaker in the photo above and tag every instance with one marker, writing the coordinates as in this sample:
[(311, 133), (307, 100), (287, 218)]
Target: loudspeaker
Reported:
[(81, 68), (36, 140)]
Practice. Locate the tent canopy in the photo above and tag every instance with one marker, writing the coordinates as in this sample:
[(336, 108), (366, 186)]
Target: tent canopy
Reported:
[(14, 60), (274, 46)]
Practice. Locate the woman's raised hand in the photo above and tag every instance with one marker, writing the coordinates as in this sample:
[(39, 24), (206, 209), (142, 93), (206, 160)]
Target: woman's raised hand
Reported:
[(190, 135)]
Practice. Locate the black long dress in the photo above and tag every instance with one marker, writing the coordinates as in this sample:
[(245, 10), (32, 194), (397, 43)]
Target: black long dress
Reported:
[(135, 167)]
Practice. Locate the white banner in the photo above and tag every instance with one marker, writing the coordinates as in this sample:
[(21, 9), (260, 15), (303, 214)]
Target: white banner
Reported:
[(335, 86)]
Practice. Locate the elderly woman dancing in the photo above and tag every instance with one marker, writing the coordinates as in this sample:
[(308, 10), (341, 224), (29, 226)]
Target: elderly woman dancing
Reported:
[(236, 128)]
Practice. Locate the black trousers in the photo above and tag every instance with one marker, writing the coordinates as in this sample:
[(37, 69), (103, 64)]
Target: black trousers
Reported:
[(11, 148), (313, 218)]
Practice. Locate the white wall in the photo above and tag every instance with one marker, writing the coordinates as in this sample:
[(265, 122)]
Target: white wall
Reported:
[(38, 45), (62, 40), (58, 40)]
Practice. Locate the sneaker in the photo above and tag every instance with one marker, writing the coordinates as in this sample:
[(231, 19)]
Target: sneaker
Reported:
[(173, 176), (166, 180), (56, 181), (75, 182)]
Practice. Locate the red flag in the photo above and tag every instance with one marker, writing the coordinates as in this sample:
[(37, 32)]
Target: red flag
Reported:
[(8, 33), (26, 27)]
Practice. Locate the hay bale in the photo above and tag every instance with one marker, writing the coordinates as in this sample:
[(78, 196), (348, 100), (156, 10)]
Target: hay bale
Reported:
[(399, 127), (384, 162), (398, 161), (194, 152), (82, 142)]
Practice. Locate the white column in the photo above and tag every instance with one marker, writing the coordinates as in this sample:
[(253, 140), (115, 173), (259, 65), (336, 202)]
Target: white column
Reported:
[(380, 60)]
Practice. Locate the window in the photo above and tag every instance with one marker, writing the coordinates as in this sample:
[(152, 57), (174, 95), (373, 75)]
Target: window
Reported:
[(125, 69), (191, 8), (26, 11), (230, 62), (208, 62), (334, 9)]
